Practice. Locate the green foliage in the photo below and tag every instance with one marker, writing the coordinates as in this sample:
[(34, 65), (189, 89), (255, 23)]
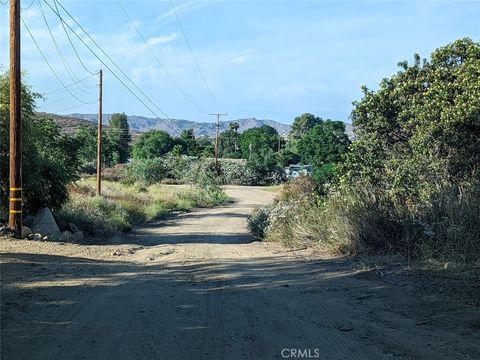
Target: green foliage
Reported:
[(325, 143), (323, 147), (287, 157), (258, 222), (123, 206), (86, 138), (205, 146), (421, 128), (410, 182), (229, 146), (152, 144), (119, 136), (258, 141), (144, 171), (49, 158), (186, 144), (301, 125)]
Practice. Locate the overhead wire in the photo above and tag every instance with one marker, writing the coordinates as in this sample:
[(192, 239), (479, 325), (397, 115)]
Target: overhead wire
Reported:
[(73, 47), (194, 57), (59, 51), (58, 100), (158, 60), (68, 85), (73, 107), (28, 7), (111, 60), (48, 64)]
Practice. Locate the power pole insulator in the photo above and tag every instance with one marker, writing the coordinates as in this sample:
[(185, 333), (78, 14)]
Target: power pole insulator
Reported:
[(15, 162)]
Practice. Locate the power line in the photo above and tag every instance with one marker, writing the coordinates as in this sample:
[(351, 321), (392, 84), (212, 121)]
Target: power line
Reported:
[(194, 58), (158, 61), (109, 58), (48, 64), (71, 44), (63, 88), (75, 106), (28, 7), (56, 101), (59, 51)]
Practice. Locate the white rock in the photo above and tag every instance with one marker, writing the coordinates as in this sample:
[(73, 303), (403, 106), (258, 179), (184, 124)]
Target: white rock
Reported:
[(36, 237), (45, 224)]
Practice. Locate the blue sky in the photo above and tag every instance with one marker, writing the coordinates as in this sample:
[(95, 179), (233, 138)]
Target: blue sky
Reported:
[(263, 59)]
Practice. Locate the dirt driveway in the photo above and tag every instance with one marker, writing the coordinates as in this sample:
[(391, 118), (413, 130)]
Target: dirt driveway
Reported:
[(194, 286)]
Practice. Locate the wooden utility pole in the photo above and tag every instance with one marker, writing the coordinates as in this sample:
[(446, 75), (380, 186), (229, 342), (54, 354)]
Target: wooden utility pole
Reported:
[(15, 208), (217, 126), (99, 137)]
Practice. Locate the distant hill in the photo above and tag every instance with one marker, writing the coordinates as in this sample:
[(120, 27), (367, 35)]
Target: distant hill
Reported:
[(175, 126), (69, 123)]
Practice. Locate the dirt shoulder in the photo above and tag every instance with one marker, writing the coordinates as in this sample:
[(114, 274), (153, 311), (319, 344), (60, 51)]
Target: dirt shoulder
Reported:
[(194, 286)]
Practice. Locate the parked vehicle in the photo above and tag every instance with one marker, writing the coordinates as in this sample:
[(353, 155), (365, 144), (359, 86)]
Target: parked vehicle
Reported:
[(294, 171)]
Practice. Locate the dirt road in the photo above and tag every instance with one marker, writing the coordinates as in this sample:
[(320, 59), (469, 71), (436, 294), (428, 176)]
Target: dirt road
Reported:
[(194, 286)]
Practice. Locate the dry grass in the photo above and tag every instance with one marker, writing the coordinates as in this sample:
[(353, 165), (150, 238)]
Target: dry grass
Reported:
[(367, 221), (122, 206)]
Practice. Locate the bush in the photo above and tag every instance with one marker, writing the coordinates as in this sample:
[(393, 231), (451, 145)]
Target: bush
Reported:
[(144, 171), (96, 215), (49, 157), (258, 222), (369, 220), (183, 169)]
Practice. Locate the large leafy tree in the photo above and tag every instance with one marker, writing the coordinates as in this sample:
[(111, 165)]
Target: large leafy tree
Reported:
[(300, 126), (258, 141), (87, 137), (119, 136), (421, 127), (230, 142), (326, 143), (324, 147), (49, 157), (205, 146), (152, 144), (187, 142)]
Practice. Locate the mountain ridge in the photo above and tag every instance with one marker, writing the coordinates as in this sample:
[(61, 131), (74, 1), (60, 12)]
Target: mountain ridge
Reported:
[(175, 126)]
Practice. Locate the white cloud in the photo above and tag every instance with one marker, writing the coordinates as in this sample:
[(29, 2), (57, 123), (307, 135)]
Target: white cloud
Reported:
[(162, 39)]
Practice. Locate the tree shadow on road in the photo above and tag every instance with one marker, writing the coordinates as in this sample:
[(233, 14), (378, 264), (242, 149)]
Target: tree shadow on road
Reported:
[(56, 307)]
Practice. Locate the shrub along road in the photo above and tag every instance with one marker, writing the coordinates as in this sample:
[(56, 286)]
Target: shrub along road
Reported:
[(194, 286)]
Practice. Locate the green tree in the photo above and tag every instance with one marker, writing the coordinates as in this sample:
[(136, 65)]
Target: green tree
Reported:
[(86, 137), (119, 136), (205, 146), (324, 147), (300, 126), (230, 142), (188, 142), (258, 141), (49, 157), (152, 144), (421, 127), (326, 143)]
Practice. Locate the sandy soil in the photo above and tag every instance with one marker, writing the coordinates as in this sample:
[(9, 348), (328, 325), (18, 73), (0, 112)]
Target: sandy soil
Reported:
[(194, 286)]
